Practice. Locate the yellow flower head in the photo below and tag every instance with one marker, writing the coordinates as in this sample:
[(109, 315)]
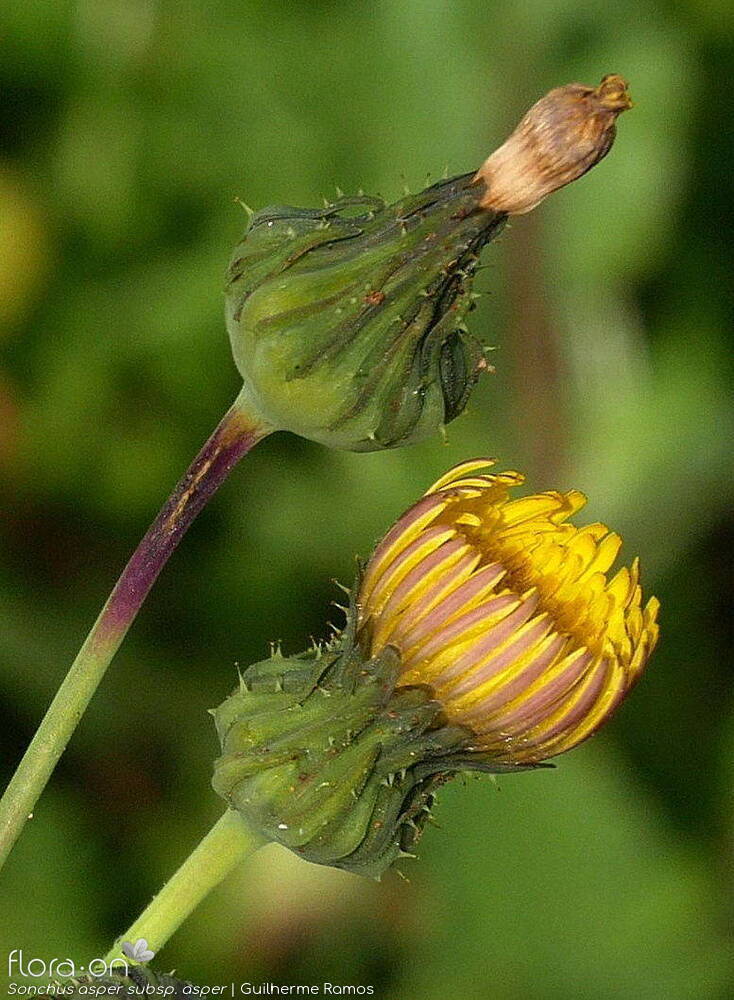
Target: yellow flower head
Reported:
[(506, 611)]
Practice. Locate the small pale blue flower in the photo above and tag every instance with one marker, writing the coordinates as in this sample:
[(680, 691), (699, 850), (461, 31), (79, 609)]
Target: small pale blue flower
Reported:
[(139, 951)]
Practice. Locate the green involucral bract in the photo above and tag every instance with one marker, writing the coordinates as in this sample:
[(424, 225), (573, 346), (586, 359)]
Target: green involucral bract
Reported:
[(322, 753), (347, 322)]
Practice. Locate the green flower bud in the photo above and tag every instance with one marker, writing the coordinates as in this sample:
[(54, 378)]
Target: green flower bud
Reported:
[(325, 754), (347, 322)]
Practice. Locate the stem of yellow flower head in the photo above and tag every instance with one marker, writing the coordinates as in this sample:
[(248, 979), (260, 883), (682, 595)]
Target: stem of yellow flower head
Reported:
[(227, 844), (235, 435)]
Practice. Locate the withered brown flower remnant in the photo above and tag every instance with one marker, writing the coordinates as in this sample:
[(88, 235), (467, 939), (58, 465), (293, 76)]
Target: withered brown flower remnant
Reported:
[(562, 136)]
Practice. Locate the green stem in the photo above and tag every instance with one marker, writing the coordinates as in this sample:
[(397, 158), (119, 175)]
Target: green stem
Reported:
[(235, 435), (228, 842)]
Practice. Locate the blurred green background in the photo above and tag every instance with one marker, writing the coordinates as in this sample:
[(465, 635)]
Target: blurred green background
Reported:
[(127, 129)]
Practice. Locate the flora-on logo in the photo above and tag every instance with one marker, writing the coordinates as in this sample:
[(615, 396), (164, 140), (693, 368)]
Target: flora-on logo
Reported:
[(37, 968), (138, 952)]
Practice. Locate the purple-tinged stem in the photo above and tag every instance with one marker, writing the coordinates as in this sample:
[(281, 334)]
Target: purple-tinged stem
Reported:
[(235, 435)]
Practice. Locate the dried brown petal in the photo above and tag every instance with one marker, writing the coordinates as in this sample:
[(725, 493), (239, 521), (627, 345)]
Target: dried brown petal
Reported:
[(562, 136)]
